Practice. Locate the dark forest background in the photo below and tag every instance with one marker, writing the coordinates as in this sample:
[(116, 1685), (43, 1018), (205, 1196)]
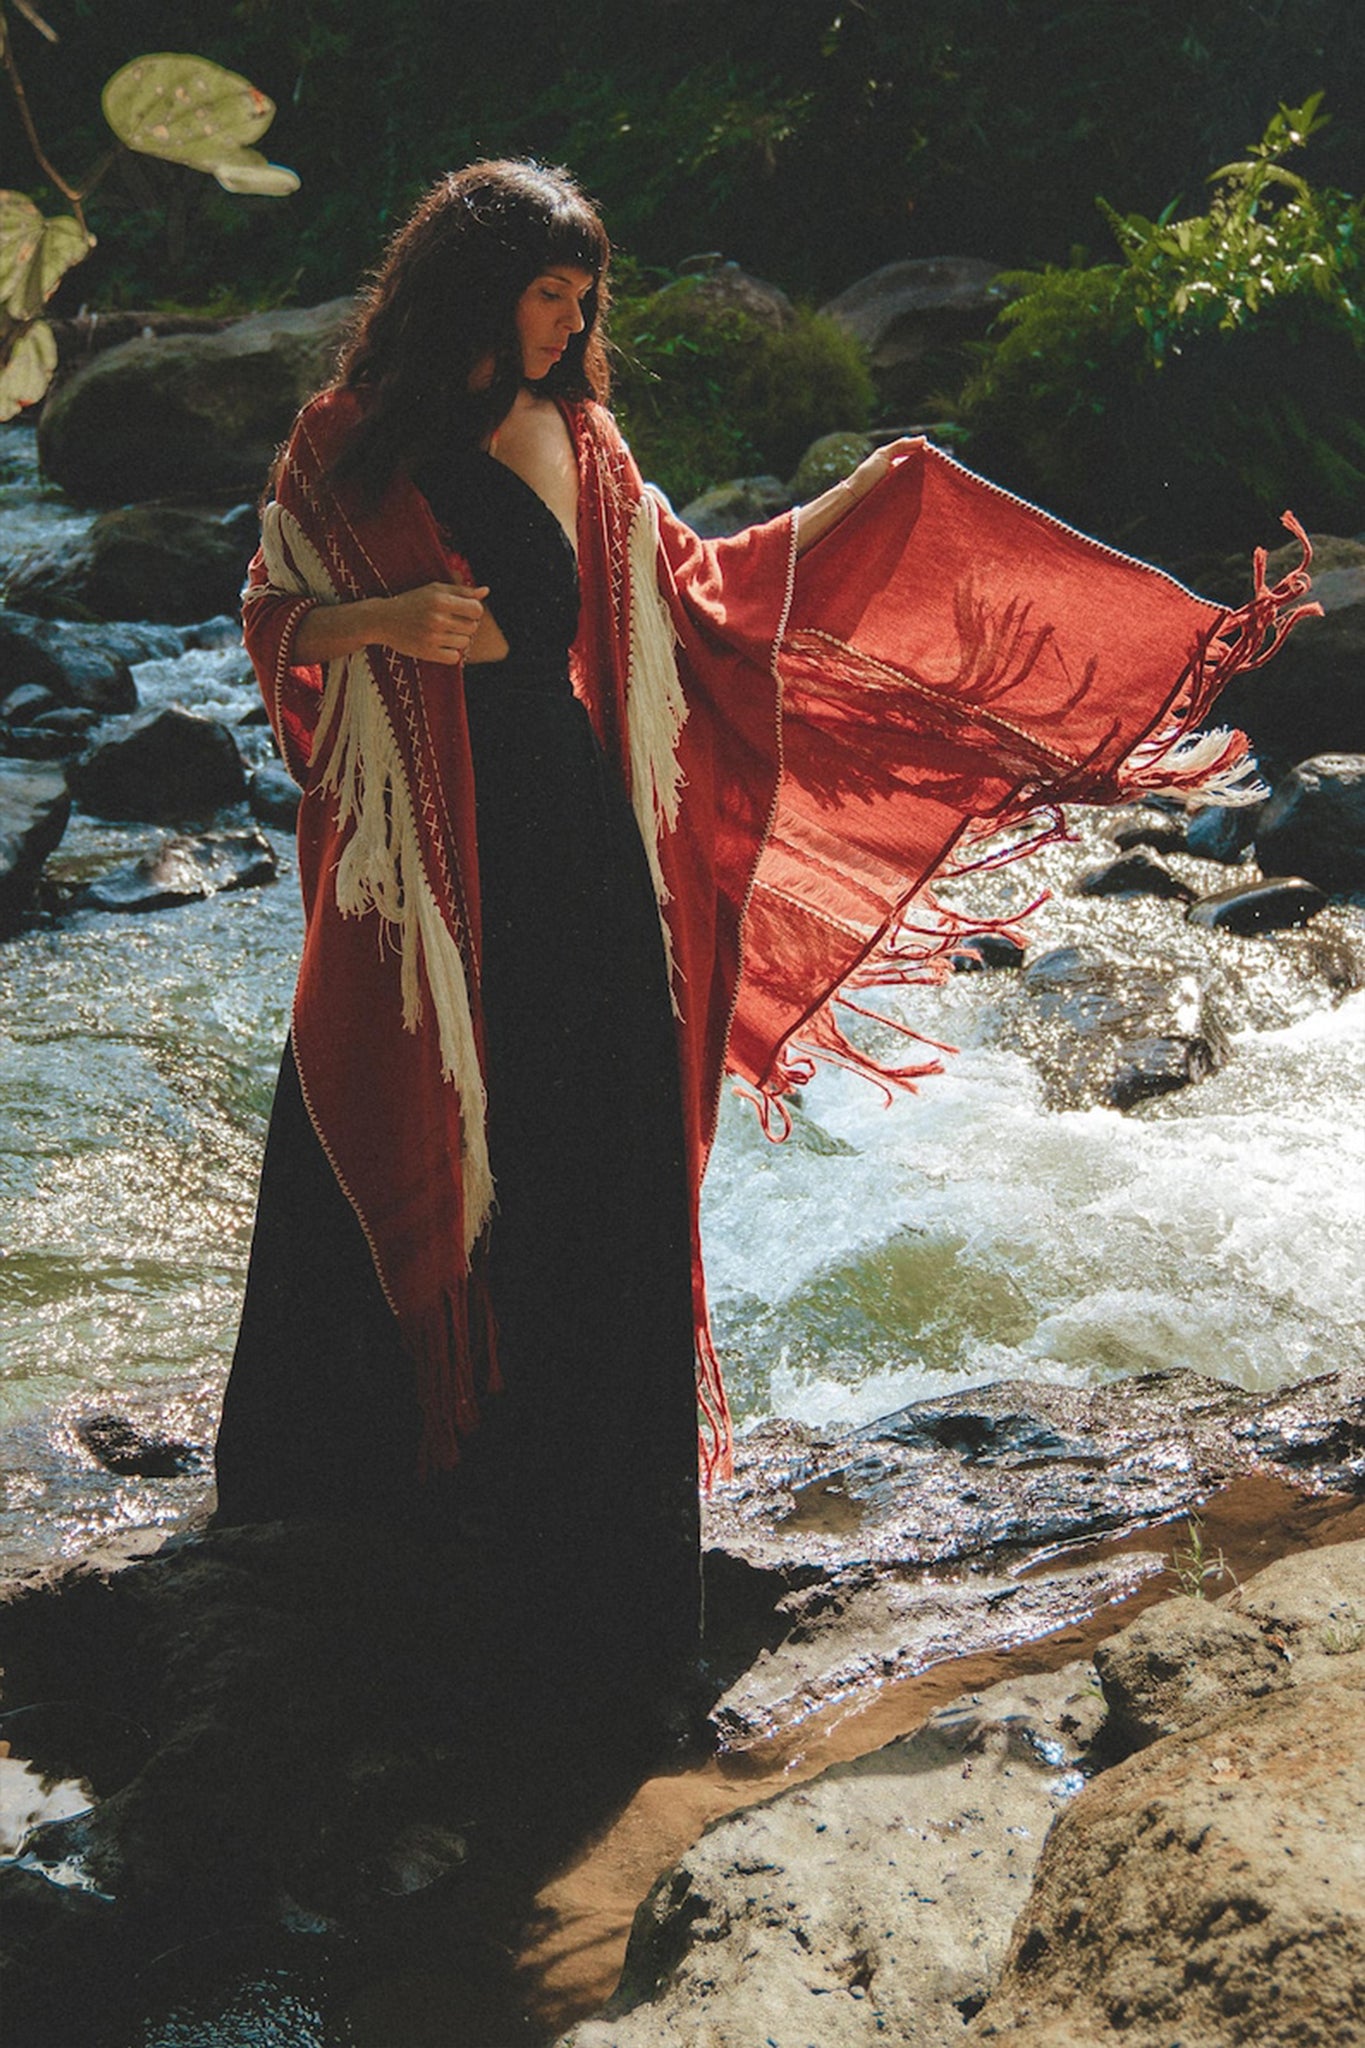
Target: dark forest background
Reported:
[(808, 140)]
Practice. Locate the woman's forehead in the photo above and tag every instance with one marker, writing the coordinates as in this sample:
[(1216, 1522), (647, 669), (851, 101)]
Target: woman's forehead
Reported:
[(571, 274)]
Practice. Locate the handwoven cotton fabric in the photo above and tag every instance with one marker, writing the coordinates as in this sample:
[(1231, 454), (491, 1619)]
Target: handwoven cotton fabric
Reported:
[(806, 741)]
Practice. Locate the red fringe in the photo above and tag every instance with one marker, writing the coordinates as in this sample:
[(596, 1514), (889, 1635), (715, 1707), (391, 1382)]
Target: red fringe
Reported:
[(716, 1436), (1247, 637), (457, 1356)]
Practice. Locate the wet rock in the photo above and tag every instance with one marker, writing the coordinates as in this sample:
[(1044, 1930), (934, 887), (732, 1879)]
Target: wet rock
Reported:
[(120, 1446), (989, 949), (88, 666), (729, 507), (1270, 906), (188, 412), (53, 736), (1314, 823), (152, 562), (1103, 1033), (34, 807), (274, 796), (1179, 1663), (183, 871), (888, 1548), (873, 1903), (171, 763), (1208, 1889), (26, 703), (1311, 698), (1153, 834), (73, 1741), (1222, 832), (1139, 873)]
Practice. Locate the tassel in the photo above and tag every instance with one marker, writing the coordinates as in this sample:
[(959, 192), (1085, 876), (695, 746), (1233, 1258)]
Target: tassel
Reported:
[(656, 708)]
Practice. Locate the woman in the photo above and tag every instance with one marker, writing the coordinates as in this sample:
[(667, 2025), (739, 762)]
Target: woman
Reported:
[(594, 812)]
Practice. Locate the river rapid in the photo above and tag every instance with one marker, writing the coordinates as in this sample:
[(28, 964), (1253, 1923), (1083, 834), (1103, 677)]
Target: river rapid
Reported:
[(965, 1234)]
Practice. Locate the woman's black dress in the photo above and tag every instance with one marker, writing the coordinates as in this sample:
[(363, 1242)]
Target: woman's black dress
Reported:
[(582, 1475)]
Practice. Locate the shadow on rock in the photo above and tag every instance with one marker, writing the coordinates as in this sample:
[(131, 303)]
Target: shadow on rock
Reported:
[(347, 1758)]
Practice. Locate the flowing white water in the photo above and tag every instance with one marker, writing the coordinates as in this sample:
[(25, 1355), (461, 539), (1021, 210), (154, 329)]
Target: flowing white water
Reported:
[(962, 1235)]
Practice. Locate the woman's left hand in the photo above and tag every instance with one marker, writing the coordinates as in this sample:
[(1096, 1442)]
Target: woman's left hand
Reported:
[(823, 513)]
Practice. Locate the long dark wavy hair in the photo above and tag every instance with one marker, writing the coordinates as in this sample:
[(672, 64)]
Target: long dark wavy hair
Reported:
[(444, 301)]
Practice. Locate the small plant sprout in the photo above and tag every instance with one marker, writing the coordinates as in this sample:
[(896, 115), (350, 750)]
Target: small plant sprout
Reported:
[(1193, 1567), (1343, 1633)]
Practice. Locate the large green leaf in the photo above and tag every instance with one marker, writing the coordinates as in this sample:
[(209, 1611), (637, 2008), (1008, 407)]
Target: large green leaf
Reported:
[(29, 362), (35, 254), (185, 109), (21, 230)]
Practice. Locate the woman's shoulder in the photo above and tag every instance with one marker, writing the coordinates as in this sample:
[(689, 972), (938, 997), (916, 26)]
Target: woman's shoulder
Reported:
[(329, 418)]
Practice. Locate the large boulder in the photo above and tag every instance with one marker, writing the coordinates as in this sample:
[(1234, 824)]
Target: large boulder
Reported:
[(34, 807), (913, 319), (188, 412), (171, 763), (1210, 1889), (728, 289), (873, 1904), (1314, 824), (155, 562)]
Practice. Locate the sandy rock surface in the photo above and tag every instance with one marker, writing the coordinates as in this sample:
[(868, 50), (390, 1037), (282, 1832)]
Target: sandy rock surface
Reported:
[(871, 1904), (1209, 1891)]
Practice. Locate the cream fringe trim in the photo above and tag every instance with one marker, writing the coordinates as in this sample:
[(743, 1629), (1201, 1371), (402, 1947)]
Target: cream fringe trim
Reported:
[(656, 708), (381, 868)]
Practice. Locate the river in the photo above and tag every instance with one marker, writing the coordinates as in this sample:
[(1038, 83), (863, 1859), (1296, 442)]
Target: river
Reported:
[(966, 1234)]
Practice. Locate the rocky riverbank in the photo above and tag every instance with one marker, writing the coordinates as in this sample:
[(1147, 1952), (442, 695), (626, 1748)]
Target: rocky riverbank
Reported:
[(307, 1763)]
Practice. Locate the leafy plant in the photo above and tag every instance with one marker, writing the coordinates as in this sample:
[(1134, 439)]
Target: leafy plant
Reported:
[(710, 390), (182, 109), (1182, 396)]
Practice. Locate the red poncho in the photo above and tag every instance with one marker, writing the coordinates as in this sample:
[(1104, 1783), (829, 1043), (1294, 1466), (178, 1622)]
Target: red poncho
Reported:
[(806, 743)]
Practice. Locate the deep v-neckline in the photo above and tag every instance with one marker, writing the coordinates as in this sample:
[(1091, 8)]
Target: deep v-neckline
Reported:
[(571, 538), (530, 491)]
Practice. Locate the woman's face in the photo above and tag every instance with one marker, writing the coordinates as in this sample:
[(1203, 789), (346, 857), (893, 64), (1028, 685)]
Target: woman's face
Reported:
[(549, 313)]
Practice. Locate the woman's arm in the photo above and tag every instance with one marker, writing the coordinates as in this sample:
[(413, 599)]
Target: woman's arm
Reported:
[(816, 519), (435, 622)]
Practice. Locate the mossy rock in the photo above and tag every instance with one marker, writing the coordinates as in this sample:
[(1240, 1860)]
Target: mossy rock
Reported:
[(827, 462), (709, 390)]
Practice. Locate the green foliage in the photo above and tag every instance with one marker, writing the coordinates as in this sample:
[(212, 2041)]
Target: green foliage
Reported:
[(35, 255), (709, 390), (181, 109), (1182, 397)]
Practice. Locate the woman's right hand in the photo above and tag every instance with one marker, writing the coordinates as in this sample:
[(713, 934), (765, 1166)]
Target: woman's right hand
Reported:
[(435, 622)]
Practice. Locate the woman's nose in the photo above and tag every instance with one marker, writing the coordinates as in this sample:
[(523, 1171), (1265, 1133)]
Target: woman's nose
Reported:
[(577, 321)]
